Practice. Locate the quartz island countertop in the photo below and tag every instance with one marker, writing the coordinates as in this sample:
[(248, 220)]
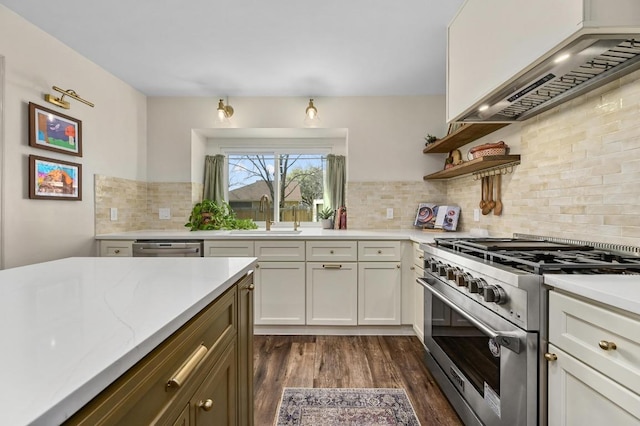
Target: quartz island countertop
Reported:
[(70, 327)]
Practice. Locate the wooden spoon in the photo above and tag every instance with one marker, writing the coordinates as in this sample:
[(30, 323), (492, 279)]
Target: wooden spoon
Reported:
[(498, 208), (482, 190), (490, 204)]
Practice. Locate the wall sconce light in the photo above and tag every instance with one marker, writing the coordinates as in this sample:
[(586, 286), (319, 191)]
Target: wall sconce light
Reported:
[(224, 112), (311, 119), (61, 102)]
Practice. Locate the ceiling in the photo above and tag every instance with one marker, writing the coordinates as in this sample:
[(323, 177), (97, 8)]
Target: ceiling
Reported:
[(257, 48)]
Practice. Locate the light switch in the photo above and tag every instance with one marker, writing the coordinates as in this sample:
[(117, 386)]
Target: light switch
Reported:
[(164, 213), (114, 213)]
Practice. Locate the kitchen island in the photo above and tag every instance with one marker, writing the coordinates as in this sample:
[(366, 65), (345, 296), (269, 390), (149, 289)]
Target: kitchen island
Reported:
[(71, 327)]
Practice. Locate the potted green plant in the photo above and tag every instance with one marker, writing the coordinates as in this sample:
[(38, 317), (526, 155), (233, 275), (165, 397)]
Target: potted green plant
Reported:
[(209, 215), (325, 216)]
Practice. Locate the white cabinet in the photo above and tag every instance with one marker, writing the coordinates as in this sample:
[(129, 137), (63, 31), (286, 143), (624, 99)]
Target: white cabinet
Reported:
[(492, 42), (580, 395), (379, 297), (228, 248), (594, 368), (280, 282), (332, 293), (379, 283), (332, 282), (116, 248), (418, 299), (280, 293)]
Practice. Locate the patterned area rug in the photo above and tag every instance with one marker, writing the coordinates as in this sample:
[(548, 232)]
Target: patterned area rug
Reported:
[(334, 406)]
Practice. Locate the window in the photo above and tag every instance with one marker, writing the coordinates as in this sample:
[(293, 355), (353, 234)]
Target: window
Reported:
[(294, 180)]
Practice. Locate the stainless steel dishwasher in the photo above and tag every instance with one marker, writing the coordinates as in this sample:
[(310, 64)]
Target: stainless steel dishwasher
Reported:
[(168, 248)]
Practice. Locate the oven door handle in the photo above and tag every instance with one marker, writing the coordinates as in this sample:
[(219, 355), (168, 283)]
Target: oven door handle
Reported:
[(505, 338)]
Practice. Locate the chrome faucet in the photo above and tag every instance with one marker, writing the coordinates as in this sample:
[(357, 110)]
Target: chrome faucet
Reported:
[(296, 223), (267, 218)]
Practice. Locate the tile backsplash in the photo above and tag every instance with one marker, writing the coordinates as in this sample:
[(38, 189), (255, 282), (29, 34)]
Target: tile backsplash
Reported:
[(138, 204), (367, 202)]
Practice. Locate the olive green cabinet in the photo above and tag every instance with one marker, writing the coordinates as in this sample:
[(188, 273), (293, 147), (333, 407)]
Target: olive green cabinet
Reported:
[(200, 375)]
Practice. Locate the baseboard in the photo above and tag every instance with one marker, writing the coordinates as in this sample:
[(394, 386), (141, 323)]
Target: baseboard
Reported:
[(361, 330)]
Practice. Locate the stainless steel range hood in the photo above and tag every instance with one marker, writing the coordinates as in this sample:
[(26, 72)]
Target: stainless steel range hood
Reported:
[(587, 63)]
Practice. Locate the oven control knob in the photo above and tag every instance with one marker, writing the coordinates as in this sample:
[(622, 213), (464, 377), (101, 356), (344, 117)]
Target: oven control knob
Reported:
[(462, 279), (495, 293), (476, 285), (442, 269), (434, 265), (452, 273)]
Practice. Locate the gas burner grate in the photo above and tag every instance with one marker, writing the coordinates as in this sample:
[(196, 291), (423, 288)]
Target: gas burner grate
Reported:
[(542, 256)]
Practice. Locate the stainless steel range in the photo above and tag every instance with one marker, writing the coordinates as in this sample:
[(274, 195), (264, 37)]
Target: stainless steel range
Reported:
[(485, 319)]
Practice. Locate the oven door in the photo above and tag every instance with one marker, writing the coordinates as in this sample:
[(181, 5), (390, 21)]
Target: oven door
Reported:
[(486, 365)]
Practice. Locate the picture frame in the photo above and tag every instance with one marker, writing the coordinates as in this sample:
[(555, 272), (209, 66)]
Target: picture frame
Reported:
[(53, 179), (51, 130)]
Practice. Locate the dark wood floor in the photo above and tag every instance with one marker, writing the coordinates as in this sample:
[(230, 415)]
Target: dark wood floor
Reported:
[(346, 362)]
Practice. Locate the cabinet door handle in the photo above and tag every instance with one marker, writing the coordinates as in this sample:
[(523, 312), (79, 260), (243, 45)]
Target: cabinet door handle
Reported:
[(398, 266), (116, 251), (251, 287), (607, 346), (257, 265), (550, 357), (332, 266), (379, 251), (187, 368), (330, 251), (206, 405), (413, 268), (420, 257)]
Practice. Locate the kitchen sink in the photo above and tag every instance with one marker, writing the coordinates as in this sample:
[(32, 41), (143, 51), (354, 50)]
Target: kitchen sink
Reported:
[(264, 232)]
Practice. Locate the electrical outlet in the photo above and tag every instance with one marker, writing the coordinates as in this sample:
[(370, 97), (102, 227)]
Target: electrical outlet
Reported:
[(114, 213), (390, 213), (164, 213), (476, 215)]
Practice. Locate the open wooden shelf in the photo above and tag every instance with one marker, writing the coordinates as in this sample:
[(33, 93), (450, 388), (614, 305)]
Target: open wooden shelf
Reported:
[(475, 165), (464, 135)]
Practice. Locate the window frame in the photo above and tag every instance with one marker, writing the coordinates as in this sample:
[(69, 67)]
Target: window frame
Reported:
[(275, 152)]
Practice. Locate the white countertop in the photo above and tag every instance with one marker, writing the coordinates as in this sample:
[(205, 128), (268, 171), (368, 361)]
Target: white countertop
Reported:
[(70, 327), (311, 233), (621, 291)]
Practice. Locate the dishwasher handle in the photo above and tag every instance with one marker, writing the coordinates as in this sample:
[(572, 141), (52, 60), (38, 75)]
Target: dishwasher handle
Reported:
[(166, 251)]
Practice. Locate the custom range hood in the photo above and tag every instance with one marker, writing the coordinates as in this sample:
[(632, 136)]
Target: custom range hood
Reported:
[(587, 63)]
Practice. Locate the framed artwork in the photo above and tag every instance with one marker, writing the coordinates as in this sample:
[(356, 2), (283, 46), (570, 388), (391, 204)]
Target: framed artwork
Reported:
[(54, 179), (51, 130)]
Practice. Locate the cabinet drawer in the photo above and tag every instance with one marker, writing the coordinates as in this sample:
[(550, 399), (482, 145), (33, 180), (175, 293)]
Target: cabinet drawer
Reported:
[(418, 255), (382, 251), (141, 395), (332, 251), (282, 250), (579, 327), (116, 248), (228, 248)]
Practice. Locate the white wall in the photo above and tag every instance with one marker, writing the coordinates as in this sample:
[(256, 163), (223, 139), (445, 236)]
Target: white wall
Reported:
[(385, 142), (114, 141)]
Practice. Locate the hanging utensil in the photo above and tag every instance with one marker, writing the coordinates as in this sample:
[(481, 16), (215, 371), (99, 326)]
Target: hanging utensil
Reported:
[(482, 190), (498, 208), (489, 204)]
